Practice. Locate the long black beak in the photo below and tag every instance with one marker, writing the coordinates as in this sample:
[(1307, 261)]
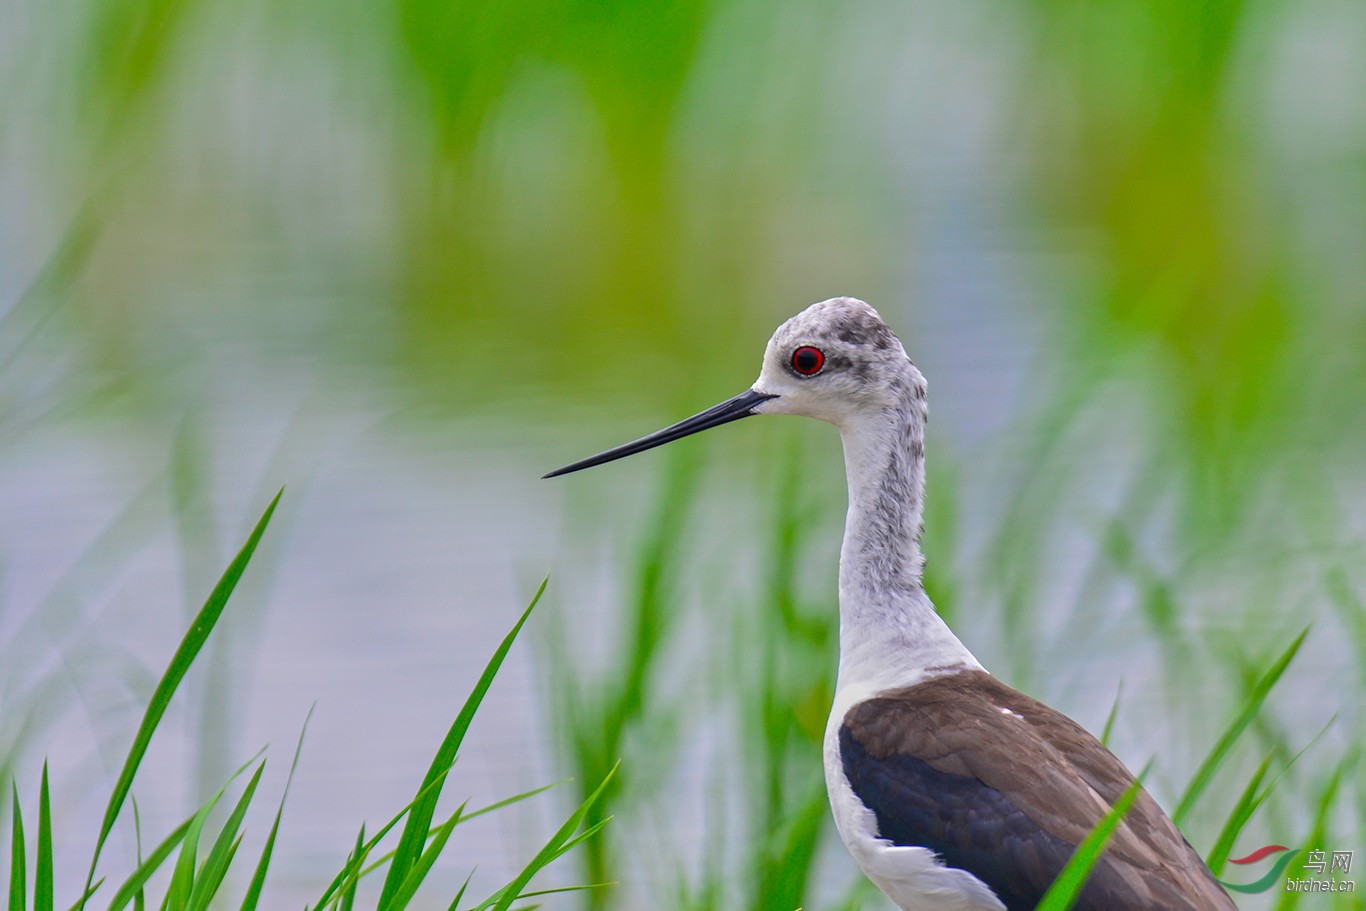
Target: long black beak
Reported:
[(742, 406)]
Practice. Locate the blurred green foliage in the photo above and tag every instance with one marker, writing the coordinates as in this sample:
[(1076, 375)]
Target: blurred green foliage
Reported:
[(570, 196), (505, 207)]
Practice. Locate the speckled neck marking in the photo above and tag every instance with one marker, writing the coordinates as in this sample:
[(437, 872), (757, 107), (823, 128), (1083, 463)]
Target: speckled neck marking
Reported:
[(890, 634)]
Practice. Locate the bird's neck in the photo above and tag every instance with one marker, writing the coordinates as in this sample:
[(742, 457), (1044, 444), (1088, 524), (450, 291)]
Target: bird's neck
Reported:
[(890, 635)]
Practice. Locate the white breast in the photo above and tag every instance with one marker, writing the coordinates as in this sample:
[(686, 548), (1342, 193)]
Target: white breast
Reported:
[(913, 878)]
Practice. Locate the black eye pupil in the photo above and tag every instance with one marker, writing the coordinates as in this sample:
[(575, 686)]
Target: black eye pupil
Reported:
[(807, 360)]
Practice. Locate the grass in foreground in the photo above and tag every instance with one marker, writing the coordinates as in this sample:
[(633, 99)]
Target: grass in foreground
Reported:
[(199, 856)]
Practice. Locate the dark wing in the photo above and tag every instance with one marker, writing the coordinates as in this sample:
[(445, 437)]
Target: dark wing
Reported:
[(1005, 788)]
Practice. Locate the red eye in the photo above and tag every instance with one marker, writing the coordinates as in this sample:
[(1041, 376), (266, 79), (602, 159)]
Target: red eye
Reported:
[(808, 361)]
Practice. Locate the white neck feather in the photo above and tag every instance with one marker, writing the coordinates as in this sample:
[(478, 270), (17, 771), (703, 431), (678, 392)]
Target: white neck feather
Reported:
[(890, 635)]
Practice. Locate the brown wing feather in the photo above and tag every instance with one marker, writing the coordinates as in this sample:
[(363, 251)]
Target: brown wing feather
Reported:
[(1059, 776)]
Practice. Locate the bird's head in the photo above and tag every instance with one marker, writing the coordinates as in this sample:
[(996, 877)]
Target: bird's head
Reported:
[(835, 361)]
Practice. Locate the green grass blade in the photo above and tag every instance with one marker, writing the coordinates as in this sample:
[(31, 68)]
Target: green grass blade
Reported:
[(350, 874), (139, 900), (1114, 713), (1291, 899), (185, 655), (561, 841), (42, 872), (419, 870), (1242, 814), (497, 805), (183, 876), (18, 869), (224, 849), (562, 889), (414, 835), (582, 837), (258, 878), (86, 896), (137, 825), (1066, 889), (134, 884), (348, 898), (1260, 690), (508, 801), (784, 861), (209, 879), (455, 902), (352, 869), (588, 887), (1247, 804)]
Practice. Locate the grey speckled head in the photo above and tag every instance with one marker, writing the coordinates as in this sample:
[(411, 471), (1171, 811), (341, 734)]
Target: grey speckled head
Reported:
[(864, 368), (836, 361)]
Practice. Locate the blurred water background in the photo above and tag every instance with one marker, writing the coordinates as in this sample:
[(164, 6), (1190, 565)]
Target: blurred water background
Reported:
[(406, 257)]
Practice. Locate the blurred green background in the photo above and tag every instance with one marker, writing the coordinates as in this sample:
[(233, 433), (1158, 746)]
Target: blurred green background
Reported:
[(407, 256)]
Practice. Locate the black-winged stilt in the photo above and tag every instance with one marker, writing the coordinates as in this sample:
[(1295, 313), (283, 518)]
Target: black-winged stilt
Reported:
[(952, 791)]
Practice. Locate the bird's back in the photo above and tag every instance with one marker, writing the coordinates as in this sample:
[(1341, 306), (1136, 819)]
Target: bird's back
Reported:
[(1003, 788)]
